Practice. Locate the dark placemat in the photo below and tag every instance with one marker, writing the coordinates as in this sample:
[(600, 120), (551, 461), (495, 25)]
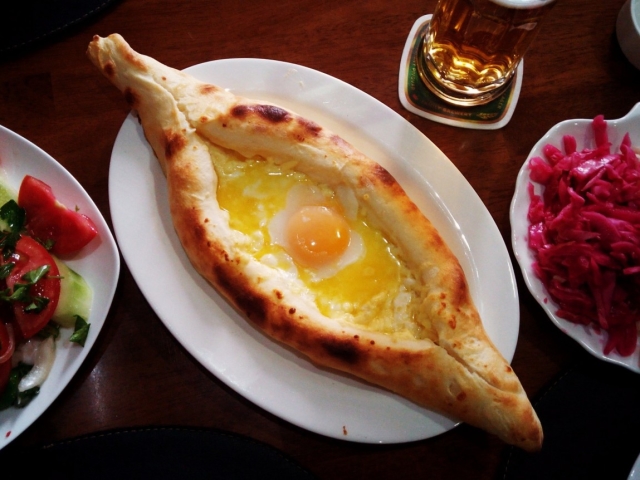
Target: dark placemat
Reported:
[(29, 23), (591, 422), (158, 453)]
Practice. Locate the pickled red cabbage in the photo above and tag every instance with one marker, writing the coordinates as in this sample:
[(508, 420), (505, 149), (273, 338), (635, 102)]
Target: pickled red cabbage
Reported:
[(585, 234)]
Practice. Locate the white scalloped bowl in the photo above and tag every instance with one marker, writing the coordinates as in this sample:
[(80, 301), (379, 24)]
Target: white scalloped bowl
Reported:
[(591, 339)]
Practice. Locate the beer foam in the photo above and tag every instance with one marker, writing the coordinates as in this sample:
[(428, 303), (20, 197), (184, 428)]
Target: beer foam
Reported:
[(523, 3)]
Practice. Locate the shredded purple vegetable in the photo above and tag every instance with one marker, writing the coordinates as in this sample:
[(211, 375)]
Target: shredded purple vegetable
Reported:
[(585, 234)]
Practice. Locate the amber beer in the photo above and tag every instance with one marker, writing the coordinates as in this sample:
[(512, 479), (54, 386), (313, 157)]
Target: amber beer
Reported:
[(472, 47)]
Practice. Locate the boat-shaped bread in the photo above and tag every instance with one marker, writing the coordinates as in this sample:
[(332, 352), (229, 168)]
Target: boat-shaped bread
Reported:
[(318, 245)]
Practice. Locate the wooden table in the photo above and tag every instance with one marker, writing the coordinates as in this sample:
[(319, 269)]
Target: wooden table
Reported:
[(137, 374)]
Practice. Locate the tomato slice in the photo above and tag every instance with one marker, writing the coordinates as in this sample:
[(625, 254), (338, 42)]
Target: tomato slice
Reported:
[(48, 219), (28, 256)]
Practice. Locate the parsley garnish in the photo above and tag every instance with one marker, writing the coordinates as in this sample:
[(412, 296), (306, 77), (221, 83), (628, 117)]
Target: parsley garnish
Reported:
[(20, 293), (33, 276), (15, 217), (81, 331), (11, 396), (5, 270), (51, 329)]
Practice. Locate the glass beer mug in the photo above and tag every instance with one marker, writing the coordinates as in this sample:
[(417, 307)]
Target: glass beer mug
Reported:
[(473, 47)]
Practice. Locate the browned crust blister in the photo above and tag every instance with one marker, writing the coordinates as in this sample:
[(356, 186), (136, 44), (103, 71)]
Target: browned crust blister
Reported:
[(459, 372)]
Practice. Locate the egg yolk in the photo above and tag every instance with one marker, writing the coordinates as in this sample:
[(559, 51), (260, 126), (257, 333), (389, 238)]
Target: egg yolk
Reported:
[(316, 235)]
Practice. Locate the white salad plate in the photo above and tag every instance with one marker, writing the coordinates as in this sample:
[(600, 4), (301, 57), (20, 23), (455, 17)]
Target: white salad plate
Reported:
[(272, 376), (634, 474), (98, 263), (587, 336)]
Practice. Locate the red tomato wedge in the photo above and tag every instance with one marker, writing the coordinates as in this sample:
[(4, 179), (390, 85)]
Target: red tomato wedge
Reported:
[(28, 256), (50, 220)]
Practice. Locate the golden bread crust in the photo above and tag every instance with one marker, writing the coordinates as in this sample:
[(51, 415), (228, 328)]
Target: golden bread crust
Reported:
[(458, 372)]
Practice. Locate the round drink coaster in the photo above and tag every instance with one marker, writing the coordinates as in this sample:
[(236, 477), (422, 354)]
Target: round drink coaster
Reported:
[(417, 98)]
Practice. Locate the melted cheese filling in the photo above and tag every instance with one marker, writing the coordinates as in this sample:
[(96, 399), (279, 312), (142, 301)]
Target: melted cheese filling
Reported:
[(374, 290)]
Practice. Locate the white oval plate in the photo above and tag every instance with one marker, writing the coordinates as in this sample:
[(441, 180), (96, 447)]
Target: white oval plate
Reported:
[(592, 340), (98, 263), (268, 374)]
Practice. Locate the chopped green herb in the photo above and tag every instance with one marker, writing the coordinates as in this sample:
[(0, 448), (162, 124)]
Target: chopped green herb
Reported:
[(20, 293), (80, 331), (15, 217), (48, 244), (8, 242), (11, 396), (37, 305), (24, 398), (51, 329), (6, 269), (33, 276)]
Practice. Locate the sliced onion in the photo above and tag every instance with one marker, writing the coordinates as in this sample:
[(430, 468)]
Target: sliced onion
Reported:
[(26, 352), (43, 361)]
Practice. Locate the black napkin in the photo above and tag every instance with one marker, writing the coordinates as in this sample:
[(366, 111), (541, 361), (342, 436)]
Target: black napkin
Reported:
[(158, 453), (591, 422), (28, 23)]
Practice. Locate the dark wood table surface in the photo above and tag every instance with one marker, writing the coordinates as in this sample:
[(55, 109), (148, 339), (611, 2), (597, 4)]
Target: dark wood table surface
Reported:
[(137, 374)]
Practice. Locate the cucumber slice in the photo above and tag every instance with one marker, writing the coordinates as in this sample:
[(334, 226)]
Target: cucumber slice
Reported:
[(6, 194), (76, 297)]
